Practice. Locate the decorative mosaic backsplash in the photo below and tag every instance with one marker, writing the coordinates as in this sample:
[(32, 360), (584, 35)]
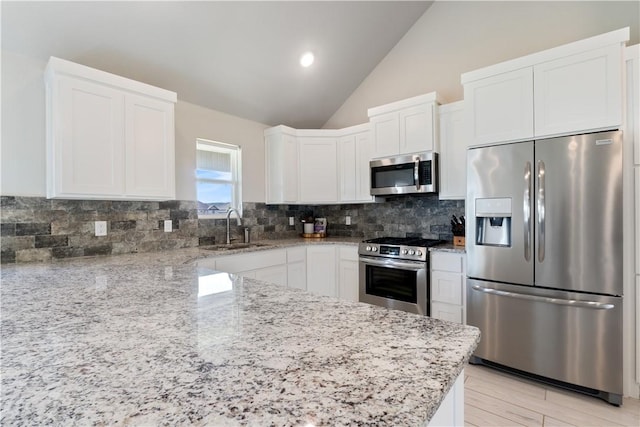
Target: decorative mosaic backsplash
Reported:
[(39, 229)]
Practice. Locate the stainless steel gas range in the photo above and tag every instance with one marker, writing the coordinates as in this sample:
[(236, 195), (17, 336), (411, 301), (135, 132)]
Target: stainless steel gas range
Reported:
[(394, 273)]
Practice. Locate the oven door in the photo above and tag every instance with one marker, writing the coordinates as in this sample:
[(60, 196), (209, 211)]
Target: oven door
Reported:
[(397, 284)]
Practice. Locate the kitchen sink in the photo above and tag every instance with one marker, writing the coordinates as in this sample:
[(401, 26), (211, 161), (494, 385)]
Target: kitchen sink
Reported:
[(234, 246)]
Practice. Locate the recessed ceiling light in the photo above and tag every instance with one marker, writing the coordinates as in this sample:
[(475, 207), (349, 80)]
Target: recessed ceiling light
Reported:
[(306, 59)]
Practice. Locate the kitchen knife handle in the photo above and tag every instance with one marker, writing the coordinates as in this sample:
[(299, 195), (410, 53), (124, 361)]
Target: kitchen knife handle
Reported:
[(526, 210), (541, 210)]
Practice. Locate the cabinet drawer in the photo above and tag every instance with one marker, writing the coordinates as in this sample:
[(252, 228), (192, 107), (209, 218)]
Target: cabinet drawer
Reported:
[(251, 261), (443, 261), (348, 253), (446, 287), (452, 313)]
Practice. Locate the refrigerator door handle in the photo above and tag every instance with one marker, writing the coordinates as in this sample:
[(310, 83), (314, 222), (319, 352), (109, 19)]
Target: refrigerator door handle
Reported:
[(557, 301), (526, 210), (541, 208)]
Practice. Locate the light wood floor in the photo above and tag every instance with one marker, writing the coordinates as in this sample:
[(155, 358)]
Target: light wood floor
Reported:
[(493, 398)]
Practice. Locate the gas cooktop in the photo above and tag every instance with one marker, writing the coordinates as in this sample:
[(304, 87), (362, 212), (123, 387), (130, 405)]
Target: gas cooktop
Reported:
[(405, 241), (409, 248)]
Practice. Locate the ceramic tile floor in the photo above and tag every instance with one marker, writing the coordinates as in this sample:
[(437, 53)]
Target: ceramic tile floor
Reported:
[(493, 398)]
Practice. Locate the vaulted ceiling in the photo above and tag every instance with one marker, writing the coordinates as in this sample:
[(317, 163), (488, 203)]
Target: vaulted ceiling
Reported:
[(240, 58)]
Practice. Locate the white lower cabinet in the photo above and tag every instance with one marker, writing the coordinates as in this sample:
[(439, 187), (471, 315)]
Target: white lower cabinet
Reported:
[(451, 410), (348, 273), (297, 267), (321, 270), (270, 266), (448, 300), (330, 270)]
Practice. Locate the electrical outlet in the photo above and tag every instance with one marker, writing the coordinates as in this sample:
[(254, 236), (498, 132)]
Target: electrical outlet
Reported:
[(291, 221), (347, 220), (101, 228), (167, 226)]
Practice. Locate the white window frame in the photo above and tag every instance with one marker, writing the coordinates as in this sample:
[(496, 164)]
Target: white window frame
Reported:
[(236, 174)]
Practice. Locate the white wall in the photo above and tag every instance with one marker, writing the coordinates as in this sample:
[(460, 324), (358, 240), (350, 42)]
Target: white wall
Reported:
[(22, 148), (193, 121), (455, 37)]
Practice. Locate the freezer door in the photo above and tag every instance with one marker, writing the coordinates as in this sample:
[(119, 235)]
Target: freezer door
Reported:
[(578, 188), (499, 213), (566, 336)]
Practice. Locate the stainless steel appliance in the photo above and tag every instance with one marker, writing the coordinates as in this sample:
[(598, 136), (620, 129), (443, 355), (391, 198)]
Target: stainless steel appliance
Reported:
[(394, 273), (412, 173), (544, 259)]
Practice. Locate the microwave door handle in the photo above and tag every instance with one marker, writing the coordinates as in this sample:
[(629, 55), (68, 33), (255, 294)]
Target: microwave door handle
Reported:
[(416, 173)]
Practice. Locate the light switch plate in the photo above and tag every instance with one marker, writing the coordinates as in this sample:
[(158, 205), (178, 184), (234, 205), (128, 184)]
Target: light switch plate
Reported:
[(291, 221), (347, 220), (167, 226), (101, 228)]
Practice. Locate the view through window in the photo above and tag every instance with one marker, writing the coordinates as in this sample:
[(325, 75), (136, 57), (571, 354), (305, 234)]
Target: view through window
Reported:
[(217, 178)]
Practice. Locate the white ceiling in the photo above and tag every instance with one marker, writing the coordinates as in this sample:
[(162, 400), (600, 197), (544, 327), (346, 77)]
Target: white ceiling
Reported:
[(237, 57)]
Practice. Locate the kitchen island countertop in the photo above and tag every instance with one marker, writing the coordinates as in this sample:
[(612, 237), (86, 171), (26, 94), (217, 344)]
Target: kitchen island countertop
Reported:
[(153, 339)]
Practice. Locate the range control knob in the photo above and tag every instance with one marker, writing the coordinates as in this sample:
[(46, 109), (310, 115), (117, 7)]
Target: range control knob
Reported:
[(374, 249), (419, 253), (404, 252), (411, 252), (368, 249)]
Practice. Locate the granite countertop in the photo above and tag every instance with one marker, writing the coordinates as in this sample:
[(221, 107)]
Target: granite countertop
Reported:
[(153, 339), (448, 247)]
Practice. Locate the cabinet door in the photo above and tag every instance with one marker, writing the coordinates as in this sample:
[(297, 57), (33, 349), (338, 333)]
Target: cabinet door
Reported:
[(281, 168), (451, 313), (637, 173), (297, 267), (453, 152), (417, 129), (579, 93), (348, 274), (318, 170), (149, 141), (355, 153), (321, 270), (86, 148), (276, 274), (385, 129), (500, 108), (446, 287), (633, 99)]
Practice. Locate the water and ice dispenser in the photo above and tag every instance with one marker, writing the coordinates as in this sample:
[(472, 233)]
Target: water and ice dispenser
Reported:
[(493, 221)]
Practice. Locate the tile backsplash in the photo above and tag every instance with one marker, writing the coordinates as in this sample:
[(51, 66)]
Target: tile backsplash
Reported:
[(39, 229)]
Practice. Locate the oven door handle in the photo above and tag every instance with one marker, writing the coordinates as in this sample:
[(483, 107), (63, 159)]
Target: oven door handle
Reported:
[(394, 264)]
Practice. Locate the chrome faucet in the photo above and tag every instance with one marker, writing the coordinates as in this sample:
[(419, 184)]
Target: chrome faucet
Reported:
[(228, 225)]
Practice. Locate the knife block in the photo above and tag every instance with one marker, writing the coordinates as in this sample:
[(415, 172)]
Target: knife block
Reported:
[(458, 240)]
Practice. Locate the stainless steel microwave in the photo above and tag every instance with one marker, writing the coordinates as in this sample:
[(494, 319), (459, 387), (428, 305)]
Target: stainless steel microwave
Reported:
[(406, 174)]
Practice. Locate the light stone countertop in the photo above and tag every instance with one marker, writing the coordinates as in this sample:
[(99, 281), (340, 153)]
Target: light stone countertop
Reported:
[(448, 247), (144, 339)]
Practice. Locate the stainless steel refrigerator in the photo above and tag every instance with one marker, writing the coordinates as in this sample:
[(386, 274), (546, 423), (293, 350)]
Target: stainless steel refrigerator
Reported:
[(544, 259)]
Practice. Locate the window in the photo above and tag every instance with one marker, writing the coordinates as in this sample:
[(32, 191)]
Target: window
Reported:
[(218, 178)]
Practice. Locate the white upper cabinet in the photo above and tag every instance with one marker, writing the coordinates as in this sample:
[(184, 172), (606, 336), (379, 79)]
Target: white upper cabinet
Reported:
[(320, 166), (579, 93), (453, 151), (281, 168), (500, 108), (354, 153), (404, 127), (108, 137), (149, 144), (570, 89), (318, 169), (418, 126)]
